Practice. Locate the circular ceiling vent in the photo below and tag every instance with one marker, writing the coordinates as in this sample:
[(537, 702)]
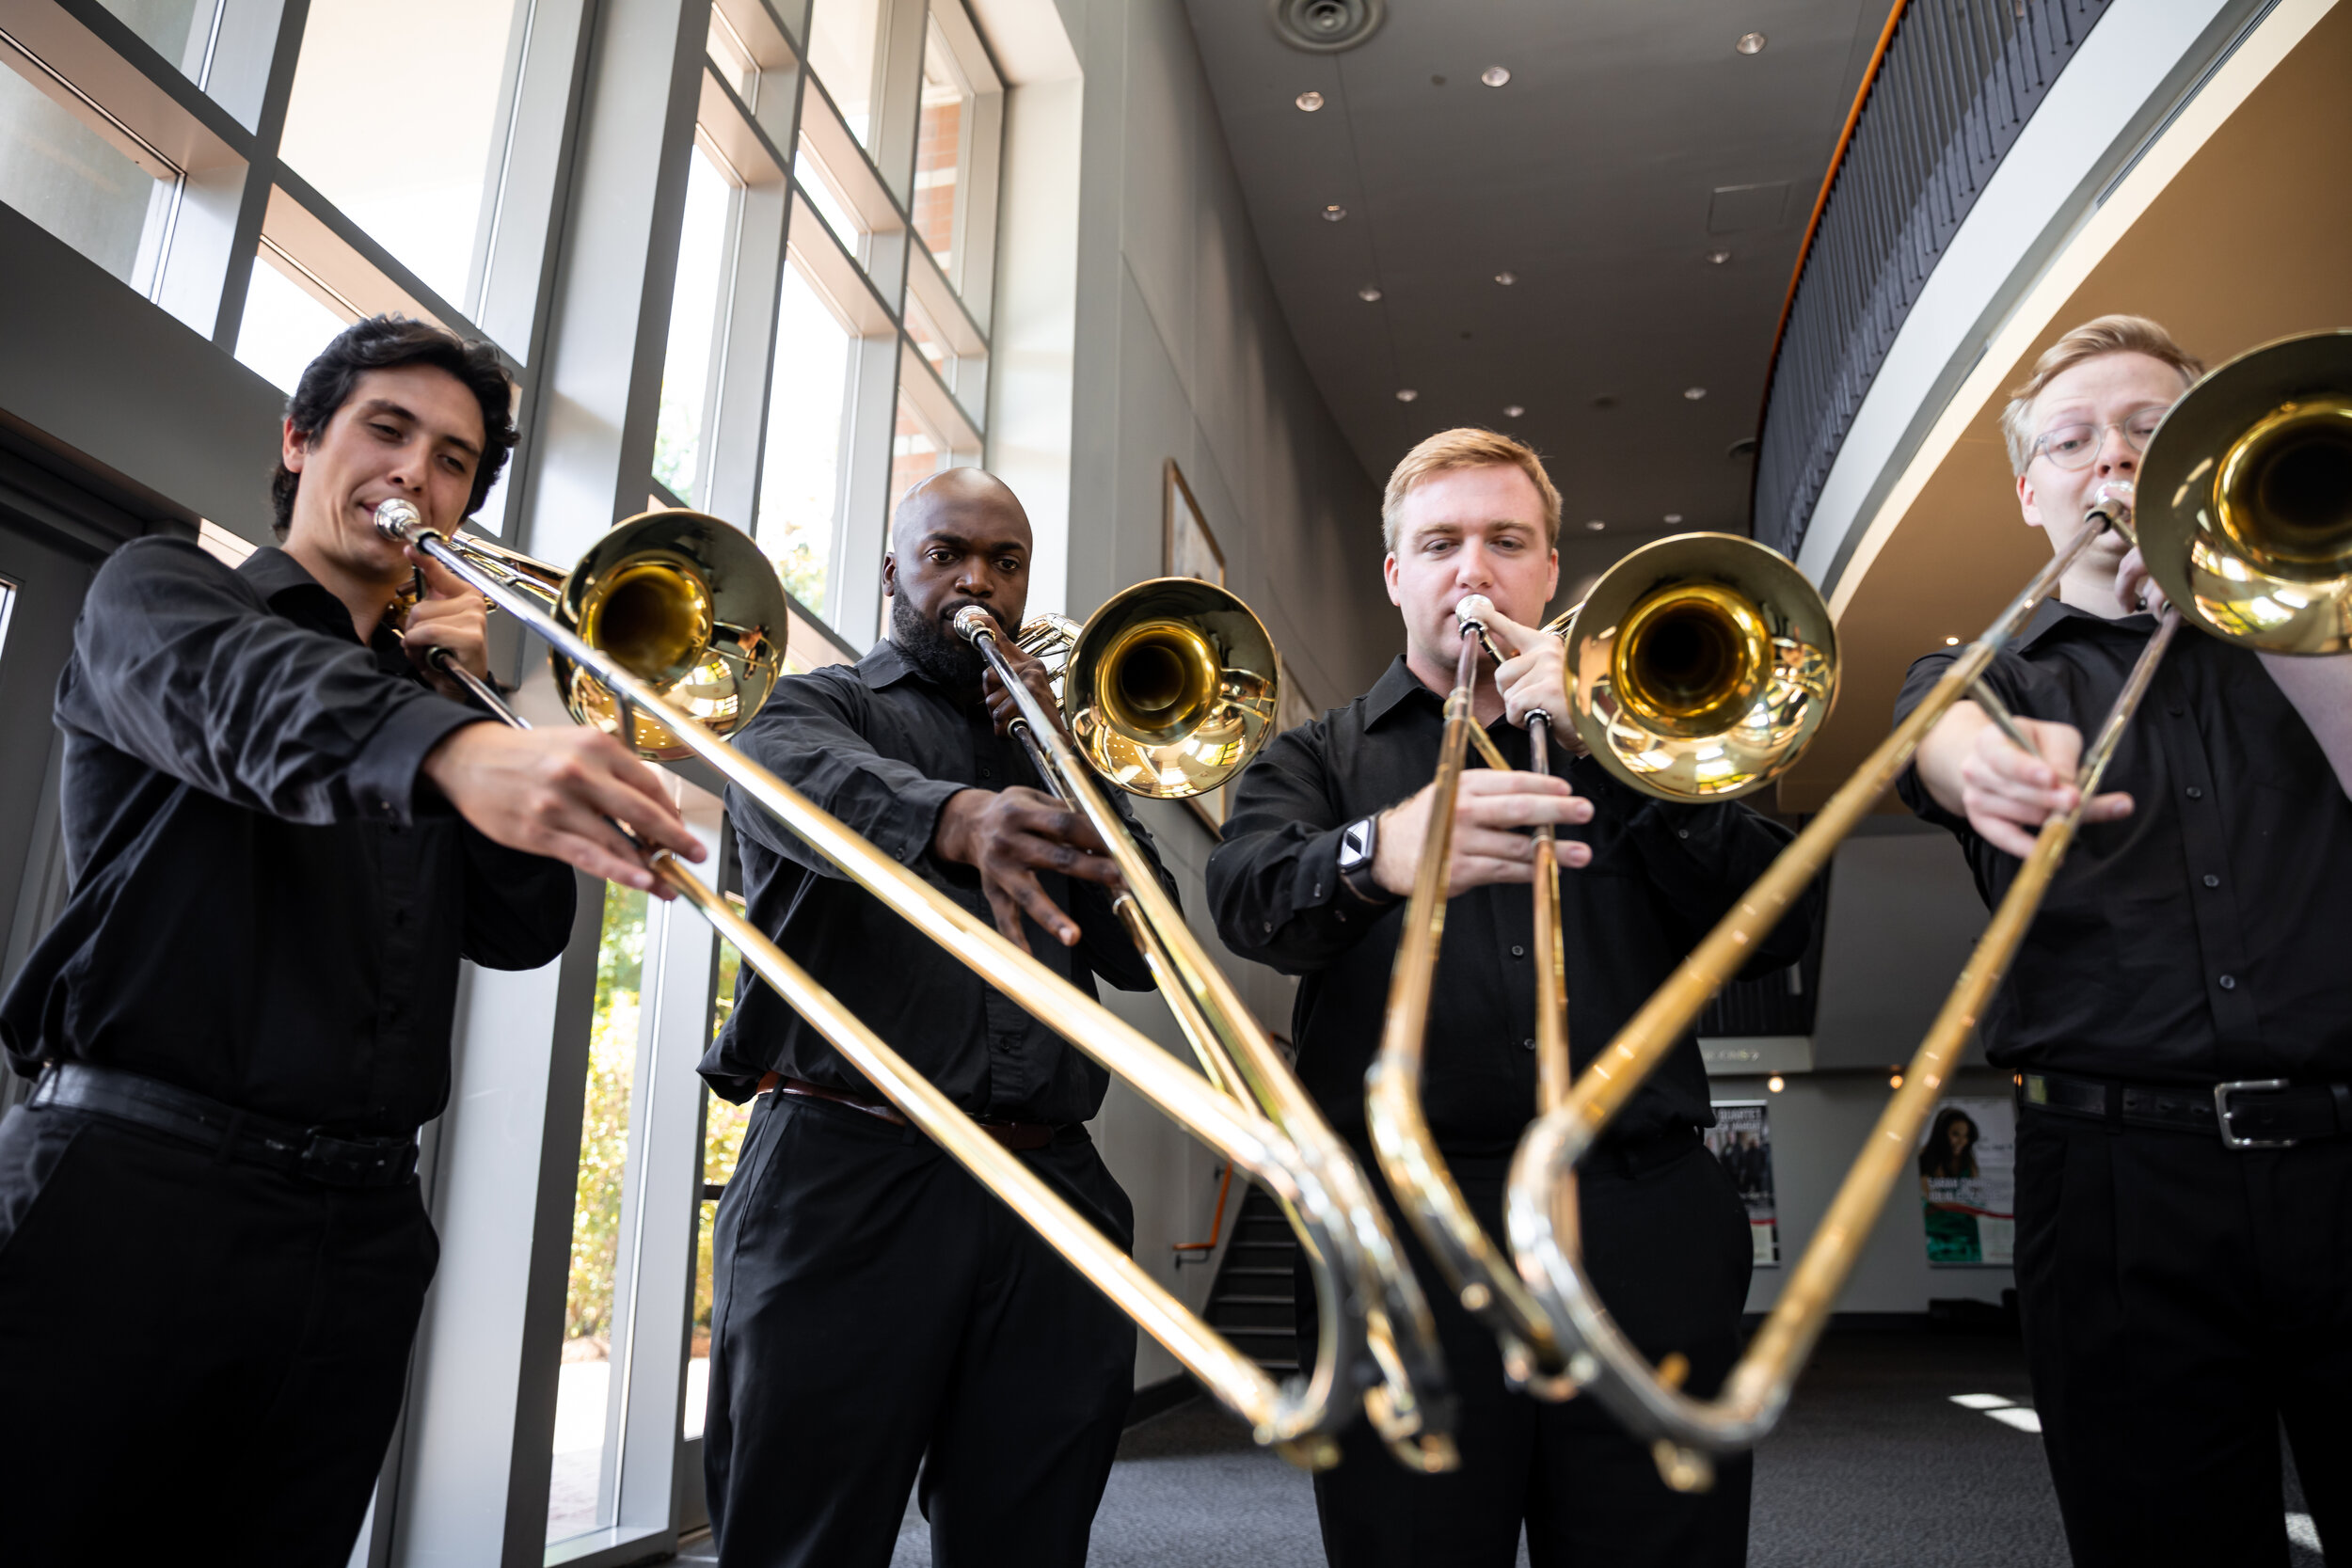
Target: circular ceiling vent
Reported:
[(1325, 27)]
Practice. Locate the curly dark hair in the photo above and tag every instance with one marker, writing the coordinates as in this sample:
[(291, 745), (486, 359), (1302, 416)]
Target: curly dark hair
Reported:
[(387, 342), (1936, 1157)]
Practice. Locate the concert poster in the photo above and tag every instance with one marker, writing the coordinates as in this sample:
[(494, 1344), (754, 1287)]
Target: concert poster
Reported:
[(1741, 1139), (1967, 1169)]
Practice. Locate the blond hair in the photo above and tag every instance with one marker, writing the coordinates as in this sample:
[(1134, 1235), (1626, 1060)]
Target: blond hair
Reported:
[(1467, 447), (2093, 340)]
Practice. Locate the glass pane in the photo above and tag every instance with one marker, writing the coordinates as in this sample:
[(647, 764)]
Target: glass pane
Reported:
[(694, 326), (584, 1384), (411, 166), (928, 338), (285, 325), (939, 154), (842, 36), (824, 195), (176, 29), (8, 603), (722, 1144), (915, 452), (728, 53), (799, 482), (87, 189)]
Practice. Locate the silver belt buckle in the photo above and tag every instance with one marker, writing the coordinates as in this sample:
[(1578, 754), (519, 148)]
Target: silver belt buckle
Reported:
[(2221, 1093)]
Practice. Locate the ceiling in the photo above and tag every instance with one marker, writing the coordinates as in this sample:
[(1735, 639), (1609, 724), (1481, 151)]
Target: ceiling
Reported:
[(1629, 143), (2244, 245)]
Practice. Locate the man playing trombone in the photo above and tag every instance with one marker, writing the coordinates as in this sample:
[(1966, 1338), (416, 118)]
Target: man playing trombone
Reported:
[(2178, 1018), (876, 1307), (1318, 857), (212, 1250)]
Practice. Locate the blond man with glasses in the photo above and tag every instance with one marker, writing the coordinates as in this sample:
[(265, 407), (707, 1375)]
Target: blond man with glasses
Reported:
[(2178, 1020)]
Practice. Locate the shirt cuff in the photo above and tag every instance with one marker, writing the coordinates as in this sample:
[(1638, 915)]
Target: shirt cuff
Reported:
[(904, 832), (1315, 880), (384, 775)]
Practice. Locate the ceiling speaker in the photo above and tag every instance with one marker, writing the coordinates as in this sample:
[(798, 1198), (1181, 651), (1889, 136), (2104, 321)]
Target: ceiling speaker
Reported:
[(1325, 27)]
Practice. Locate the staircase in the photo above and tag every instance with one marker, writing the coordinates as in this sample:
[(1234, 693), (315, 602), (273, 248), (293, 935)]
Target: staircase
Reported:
[(1252, 1303)]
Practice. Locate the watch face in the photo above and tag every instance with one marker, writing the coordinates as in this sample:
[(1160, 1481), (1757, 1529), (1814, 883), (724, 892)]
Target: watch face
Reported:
[(1356, 844)]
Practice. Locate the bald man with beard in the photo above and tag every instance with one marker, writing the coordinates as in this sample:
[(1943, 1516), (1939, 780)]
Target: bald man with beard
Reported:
[(877, 1309)]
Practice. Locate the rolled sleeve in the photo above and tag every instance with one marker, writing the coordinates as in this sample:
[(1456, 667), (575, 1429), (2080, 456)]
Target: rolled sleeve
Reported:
[(384, 775)]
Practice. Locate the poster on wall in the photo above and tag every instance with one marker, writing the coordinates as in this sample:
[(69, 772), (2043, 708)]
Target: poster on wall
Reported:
[(1968, 1184), (1741, 1139)]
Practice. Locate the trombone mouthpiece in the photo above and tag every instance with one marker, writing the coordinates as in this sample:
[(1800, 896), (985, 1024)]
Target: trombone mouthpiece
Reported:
[(2112, 503), (970, 620), (1474, 610), (395, 517)]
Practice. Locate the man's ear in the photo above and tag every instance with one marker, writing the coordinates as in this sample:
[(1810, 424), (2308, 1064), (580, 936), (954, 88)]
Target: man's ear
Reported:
[(291, 447), (1552, 582), (1388, 575), (2028, 502), (890, 574)]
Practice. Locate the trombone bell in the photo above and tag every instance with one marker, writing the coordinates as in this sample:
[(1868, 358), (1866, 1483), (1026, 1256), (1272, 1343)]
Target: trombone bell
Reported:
[(687, 605), (2245, 501), (1701, 665), (1170, 687)]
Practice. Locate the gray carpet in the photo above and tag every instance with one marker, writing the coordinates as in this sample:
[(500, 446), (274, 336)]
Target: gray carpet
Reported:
[(1873, 1465)]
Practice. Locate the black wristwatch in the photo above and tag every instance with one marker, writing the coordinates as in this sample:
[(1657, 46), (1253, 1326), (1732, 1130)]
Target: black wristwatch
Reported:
[(1359, 842)]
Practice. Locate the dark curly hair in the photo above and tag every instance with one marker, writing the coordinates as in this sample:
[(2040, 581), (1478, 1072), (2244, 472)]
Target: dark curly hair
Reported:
[(387, 342)]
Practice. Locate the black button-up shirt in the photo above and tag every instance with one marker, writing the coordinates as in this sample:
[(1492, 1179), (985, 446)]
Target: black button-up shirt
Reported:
[(1661, 875), (882, 748), (2203, 937), (268, 904)]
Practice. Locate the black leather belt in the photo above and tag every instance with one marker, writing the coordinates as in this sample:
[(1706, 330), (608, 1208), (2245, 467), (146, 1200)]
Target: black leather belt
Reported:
[(223, 1130), (2247, 1113)]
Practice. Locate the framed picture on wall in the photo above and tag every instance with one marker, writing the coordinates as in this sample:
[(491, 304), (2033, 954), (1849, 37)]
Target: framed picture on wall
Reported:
[(1191, 549), (1741, 1139)]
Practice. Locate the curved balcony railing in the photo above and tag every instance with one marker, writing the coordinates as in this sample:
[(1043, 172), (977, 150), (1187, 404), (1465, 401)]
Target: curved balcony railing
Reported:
[(1951, 85)]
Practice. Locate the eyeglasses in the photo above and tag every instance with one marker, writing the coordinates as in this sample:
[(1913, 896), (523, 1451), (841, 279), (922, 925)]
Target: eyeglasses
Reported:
[(2072, 446)]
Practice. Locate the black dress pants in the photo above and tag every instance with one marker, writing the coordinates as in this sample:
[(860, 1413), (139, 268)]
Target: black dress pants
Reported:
[(877, 1309), (199, 1361), (2180, 1300), (1666, 1241)]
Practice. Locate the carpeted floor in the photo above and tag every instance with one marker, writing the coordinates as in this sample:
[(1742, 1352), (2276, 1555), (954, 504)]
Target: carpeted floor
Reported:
[(1874, 1465)]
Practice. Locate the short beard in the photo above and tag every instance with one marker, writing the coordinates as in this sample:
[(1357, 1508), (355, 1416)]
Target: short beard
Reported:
[(937, 654)]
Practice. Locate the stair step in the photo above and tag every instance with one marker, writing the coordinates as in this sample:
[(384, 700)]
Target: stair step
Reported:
[(1215, 1302), (1239, 1332), (1250, 1272)]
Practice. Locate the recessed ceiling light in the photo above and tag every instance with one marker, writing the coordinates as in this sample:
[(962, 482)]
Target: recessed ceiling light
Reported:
[(1406, 395), (1513, 411), (1673, 517), (1369, 293), (1719, 256), (1952, 642), (1895, 1081), (1751, 44), (1775, 1083), (1333, 212), (1494, 76), (1695, 393), (1310, 101), (1595, 525), (1506, 279)]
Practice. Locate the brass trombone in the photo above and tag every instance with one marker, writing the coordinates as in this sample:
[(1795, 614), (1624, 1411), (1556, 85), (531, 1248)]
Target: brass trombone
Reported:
[(1170, 690), (2249, 533), (697, 611), (1700, 666)]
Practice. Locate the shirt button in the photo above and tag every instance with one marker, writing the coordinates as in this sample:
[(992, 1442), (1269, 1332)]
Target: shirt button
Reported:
[(1528, 1042), (1517, 952), (2195, 793), (2229, 982), (2212, 880), (1682, 832)]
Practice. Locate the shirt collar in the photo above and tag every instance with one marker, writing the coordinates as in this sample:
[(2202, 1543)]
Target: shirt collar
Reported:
[(885, 666), (2051, 614), (1397, 684), (288, 588)]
